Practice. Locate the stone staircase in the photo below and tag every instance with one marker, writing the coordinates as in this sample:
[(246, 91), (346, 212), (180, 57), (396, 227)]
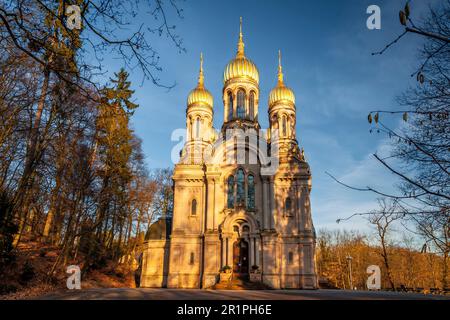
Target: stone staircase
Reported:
[(240, 282)]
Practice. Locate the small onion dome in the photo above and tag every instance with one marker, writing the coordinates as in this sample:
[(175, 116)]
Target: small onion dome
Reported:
[(281, 93), (241, 66), (200, 95), (160, 230)]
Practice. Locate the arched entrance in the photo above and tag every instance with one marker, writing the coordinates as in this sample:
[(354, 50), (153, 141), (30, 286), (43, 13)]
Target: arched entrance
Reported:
[(240, 257)]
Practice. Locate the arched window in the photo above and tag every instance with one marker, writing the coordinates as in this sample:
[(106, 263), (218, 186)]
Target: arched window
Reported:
[(287, 205), (194, 207), (230, 197), (241, 104), (197, 128), (251, 106), (230, 106), (250, 192), (240, 187), (192, 258), (245, 229), (283, 124)]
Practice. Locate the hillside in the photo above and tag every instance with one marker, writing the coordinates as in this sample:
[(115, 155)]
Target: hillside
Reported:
[(26, 276)]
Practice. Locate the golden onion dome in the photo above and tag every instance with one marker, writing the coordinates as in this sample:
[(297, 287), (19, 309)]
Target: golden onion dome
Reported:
[(281, 93), (241, 66), (200, 95)]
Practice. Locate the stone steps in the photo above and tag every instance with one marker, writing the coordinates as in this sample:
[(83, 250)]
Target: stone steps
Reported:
[(239, 283)]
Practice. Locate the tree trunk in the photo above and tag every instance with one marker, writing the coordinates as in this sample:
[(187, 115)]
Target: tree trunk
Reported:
[(32, 153)]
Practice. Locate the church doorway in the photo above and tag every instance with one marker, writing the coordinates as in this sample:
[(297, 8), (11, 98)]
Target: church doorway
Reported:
[(240, 257)]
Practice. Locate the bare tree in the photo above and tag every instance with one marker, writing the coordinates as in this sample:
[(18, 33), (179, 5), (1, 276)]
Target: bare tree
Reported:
[(420, 155), (383, 220)]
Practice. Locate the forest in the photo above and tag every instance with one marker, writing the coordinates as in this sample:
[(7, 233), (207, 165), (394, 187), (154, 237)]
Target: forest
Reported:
[(74, 185)]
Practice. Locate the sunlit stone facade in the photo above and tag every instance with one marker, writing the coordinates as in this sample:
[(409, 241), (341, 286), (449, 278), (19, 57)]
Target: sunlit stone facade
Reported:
[(241, 195)]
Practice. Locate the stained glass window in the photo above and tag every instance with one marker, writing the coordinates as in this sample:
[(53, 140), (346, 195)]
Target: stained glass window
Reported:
[(291, 257), (240, 187), (288, 205), (251, 192), (251, 106), (241, 104), (194, 207), (197, 128), (230, 198), (283, 123), (230, 106)]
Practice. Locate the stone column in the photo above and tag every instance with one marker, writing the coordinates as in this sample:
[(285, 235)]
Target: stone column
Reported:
[(297, 206), (273, 204), (210, 205), (224, 252), (280, 127), (227, 243), (230, 252), (247, 106), (234, 105), (257, 253), (211, 259), (266, 200), (251, 251), (203, 212), (216, 203), (301, 205), (226, 109), (308, 222)]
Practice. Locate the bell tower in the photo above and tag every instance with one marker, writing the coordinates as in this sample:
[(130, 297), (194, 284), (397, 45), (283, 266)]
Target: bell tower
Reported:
[(199, 121), (282, 118), (240, 90)]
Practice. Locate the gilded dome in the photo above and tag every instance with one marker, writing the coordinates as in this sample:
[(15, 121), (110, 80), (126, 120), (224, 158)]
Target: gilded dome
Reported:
[(200, 95), (281, 93), (241, 66)]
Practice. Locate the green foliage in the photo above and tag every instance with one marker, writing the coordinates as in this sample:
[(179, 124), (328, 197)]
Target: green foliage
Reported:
[(120, 94), (225, 268)]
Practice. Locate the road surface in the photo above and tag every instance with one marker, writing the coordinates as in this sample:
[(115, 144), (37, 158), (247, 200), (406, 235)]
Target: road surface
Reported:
[(198, 294)]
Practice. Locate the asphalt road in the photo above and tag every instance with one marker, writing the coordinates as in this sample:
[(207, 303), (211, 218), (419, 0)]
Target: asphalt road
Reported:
[(198, 294)]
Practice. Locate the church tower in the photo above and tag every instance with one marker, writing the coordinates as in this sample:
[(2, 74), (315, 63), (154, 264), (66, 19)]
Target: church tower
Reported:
[(199, 121), (292, 226), (240, 90), (282, 118)]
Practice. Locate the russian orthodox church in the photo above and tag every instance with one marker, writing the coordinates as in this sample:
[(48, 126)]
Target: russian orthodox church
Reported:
[(241, 195)]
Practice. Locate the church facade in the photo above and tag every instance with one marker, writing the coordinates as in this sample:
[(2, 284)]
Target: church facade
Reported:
[(241, 194)]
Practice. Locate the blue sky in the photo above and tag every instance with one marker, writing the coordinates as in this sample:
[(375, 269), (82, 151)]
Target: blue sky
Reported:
[(327, 61)]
